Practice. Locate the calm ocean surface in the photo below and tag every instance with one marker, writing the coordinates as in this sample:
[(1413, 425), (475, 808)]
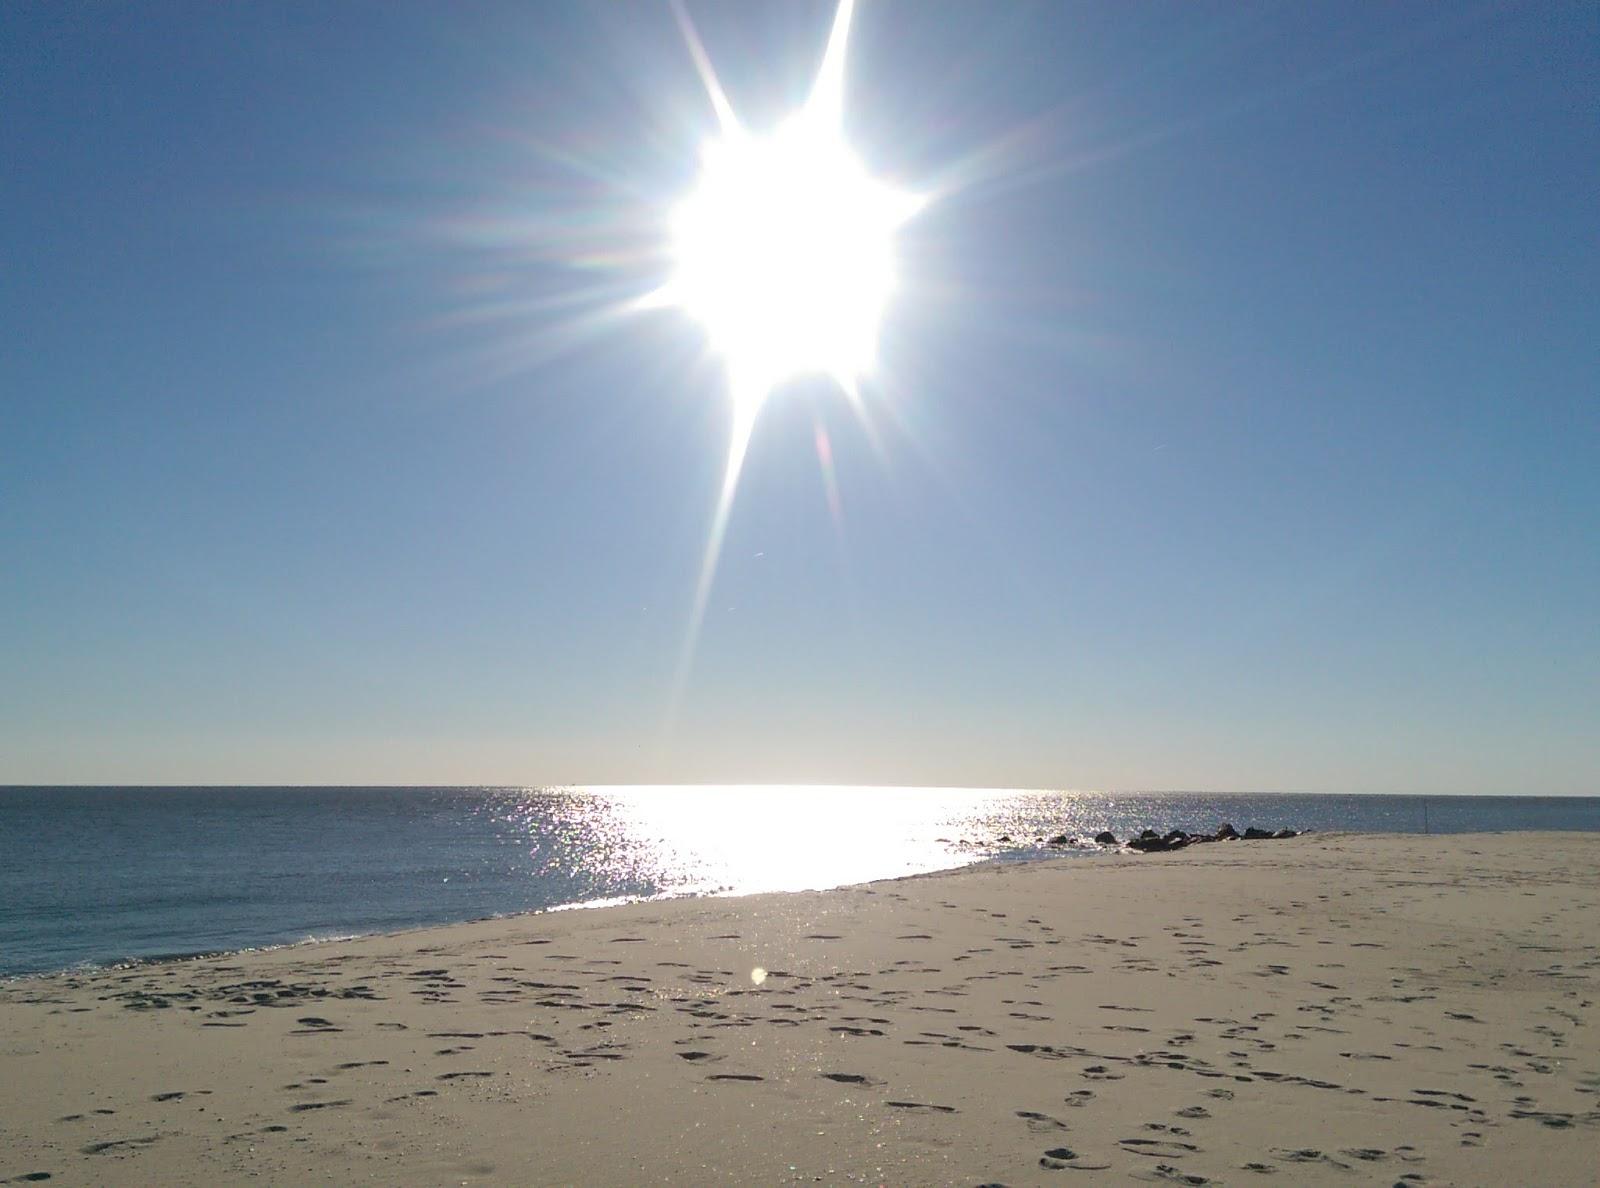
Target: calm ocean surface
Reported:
[(100, 875)]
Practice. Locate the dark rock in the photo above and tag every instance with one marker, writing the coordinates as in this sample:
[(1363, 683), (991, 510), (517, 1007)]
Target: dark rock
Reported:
[(1175, 835), (1148, 835), (1003, 839), (1106, 839), (1158, 845), (1254, 834), (1060, 839), (1286, 833), (1227, 833)]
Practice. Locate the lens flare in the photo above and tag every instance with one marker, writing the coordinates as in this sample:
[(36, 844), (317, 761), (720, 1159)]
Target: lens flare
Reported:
[(783, 253)]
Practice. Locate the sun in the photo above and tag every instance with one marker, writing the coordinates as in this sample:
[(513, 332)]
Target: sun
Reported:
[(784, 249), (783, 252)]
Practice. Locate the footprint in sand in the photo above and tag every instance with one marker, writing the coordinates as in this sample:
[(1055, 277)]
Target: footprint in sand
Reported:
[(1042, 1050), (117, 1144), (313, 1025), (1443, 1093), (1159, 1148), (1041, 1123), (1309, 1155), (1066, 1159), (1165, 1173)]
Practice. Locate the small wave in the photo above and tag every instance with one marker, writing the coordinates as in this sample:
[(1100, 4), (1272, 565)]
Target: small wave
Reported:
[(623, 900)]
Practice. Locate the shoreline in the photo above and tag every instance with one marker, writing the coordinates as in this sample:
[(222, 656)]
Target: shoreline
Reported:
[(1375, 1006), (1043, 854), (1077, 852), (343, 862), (126, 963)]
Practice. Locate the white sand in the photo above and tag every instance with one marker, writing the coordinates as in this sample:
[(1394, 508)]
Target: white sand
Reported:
[(1335, 1009)]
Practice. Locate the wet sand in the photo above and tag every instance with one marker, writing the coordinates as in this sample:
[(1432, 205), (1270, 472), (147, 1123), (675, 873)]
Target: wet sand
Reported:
[(1328, 1009)]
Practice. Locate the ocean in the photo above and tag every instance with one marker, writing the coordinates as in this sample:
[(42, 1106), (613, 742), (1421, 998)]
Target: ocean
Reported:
[(97, 876)]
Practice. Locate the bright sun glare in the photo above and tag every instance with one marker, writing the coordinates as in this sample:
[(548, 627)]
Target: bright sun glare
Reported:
[(783, 251)]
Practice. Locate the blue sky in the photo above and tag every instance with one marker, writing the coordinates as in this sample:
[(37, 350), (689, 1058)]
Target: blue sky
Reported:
[(1235, 425)]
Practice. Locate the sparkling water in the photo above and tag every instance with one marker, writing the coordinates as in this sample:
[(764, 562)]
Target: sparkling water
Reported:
[(100, 875)]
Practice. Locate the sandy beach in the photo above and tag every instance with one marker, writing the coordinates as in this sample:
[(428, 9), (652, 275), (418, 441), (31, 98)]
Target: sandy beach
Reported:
[(1326, 1009)]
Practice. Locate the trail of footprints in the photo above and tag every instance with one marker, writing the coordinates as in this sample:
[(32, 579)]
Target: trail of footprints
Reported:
[(574, 1001)]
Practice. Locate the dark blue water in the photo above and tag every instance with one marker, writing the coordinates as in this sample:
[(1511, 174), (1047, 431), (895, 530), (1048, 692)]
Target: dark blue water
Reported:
[(99, 875)]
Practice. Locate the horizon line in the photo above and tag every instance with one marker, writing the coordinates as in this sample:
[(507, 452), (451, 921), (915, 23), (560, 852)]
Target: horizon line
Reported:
[(668, 784)]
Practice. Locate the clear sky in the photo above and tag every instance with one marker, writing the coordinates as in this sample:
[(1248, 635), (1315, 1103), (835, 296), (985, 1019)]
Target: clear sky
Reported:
[(1235, 423)]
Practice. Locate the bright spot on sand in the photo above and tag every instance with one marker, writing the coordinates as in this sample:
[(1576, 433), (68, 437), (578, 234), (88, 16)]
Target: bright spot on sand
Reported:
[(758, 975)]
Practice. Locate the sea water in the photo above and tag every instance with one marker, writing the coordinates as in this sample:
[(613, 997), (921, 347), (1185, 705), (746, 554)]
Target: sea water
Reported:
[(103, 875)]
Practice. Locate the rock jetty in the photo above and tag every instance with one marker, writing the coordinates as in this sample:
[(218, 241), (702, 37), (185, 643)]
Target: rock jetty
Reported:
[(1150, 842), (1176, 839)]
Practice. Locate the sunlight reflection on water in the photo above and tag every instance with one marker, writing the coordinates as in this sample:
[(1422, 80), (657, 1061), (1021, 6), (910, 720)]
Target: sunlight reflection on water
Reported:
[(741, 839), (108, 874)]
